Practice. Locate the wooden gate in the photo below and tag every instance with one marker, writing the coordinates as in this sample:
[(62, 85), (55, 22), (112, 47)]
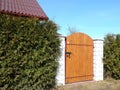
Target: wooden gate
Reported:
[(79, 58)]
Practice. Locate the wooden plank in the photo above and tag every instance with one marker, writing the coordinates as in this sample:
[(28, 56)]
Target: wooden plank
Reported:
[(79, 65)]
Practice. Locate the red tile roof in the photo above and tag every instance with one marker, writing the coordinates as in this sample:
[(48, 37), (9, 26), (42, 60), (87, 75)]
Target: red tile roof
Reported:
[(29, 8)]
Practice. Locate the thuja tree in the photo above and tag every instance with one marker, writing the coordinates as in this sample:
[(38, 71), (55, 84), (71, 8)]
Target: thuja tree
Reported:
[(112, 56), (29, 49)]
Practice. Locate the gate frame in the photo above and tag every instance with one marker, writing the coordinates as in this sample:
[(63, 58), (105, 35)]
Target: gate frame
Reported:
[(97, 61)]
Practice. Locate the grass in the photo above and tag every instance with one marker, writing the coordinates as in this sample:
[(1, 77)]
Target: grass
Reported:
[(93, 85)]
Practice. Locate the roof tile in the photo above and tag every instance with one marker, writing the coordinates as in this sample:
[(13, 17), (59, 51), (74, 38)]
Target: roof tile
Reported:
[(28, 8)]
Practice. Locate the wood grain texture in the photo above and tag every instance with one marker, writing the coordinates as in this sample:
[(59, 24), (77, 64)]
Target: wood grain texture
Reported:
[(79, 64)]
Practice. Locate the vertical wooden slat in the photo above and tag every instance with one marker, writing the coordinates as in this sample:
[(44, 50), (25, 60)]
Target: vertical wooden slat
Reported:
[(79, 66)]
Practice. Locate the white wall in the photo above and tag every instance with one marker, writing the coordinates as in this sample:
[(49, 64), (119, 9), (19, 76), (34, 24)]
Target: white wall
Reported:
[(98, 60), (60, 78)]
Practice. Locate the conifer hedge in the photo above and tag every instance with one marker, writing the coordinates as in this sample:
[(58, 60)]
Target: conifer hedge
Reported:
[(112, 56), (29, 49)]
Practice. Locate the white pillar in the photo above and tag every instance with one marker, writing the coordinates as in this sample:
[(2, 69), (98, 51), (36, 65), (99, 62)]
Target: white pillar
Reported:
[(98, 60), (60, 78)]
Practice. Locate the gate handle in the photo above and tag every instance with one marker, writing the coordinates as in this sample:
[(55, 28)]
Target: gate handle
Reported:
[(68, 54)]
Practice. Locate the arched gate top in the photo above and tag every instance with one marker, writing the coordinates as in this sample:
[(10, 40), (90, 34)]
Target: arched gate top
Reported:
[(79, 38)]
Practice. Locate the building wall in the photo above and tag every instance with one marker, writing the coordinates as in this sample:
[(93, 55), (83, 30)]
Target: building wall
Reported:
[(97, 62)]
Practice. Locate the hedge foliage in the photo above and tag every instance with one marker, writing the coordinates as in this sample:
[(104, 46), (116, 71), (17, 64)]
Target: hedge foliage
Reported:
[(112, 56), (29, 49)]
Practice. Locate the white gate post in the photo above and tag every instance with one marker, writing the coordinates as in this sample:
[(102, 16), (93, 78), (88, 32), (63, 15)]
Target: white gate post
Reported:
[(60, 78), (98, 60)]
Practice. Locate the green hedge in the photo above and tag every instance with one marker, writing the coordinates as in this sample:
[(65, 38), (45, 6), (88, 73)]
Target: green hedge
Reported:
[(29, 49), (112, 56)]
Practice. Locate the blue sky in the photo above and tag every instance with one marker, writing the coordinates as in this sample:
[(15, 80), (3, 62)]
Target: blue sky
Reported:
[(93, 17)]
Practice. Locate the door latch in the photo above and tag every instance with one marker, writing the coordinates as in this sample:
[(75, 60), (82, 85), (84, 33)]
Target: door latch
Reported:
[(68, 54)]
